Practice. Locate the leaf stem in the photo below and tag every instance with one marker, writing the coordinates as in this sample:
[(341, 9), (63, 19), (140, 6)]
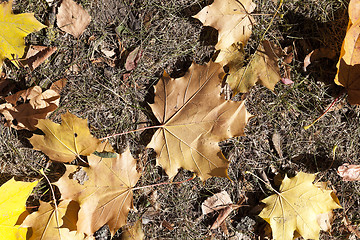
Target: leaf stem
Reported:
[(165, 183), (136, 130), (322, 115)]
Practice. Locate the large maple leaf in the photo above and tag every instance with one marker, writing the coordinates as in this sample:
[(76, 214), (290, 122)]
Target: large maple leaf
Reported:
[(12, 204), (66, 141), (296, 206), (105, 197), (231, 18), (54, 223), (349, 62), (13, 29), (194, 118)]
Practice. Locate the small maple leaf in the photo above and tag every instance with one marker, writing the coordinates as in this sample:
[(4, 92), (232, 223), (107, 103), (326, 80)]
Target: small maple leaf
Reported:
[(66, 141), (296, 206), (53, 223), (13, 30), (72, 18), (194, 118), (106, 196), (231, 18), (12, 204), (262, 69)]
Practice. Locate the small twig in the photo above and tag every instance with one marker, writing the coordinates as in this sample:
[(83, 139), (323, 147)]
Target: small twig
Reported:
[(322, 115), (165, 183), (136, 130)]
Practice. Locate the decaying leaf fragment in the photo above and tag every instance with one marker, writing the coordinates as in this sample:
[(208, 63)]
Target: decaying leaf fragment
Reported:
[(349, 63), (218, 202), (54, 223), (296, 207), (36, 55), (106, 197), (13, 196), (194, 118), (72, 18), (13, 30), (263, 69), (134, 232), (231, 18), (349, 172), (66, 141), (24, 109)]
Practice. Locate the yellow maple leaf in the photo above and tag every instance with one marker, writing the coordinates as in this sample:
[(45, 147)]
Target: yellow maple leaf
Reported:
[(105, 195), (12, 204), (194, 118), (231, 18), (296, 206), (13, 30), (66, 141), (54, 223), (349, 62), (263, 69)]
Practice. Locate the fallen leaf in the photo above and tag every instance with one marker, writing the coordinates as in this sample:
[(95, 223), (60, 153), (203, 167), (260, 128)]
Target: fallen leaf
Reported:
[(12, 204), (318, 54), (59, 85), (296, 206), (106, 197), (6, 85), (349, 172), (133, 59), (216, 202), (52, 223), (66, 141), (349, 61), (262, 69), (13, 30), (194, 117), (134, 232), (72, 18), (36, 55), (231, 18), (25, 108), (325, 220)]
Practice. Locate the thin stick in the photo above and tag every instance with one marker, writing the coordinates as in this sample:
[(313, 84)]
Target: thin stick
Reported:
[(165, 183), (136, 130), (322, 115), (267, 184)]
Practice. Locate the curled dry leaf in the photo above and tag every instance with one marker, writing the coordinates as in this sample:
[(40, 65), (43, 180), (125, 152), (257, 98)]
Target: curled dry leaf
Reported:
[(13, 196), (216, 202), (296, 207), (262, 69), (66, 141), (349, 172), (231, 18), (106, 197), (72, 18), (25, 108), (54, 223), (194, 118), (318, 54), (14, 28), (36, 55)]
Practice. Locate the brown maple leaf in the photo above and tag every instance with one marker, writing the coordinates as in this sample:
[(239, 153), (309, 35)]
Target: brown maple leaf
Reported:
[(53, 223), (106, 196), (194, 118)]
